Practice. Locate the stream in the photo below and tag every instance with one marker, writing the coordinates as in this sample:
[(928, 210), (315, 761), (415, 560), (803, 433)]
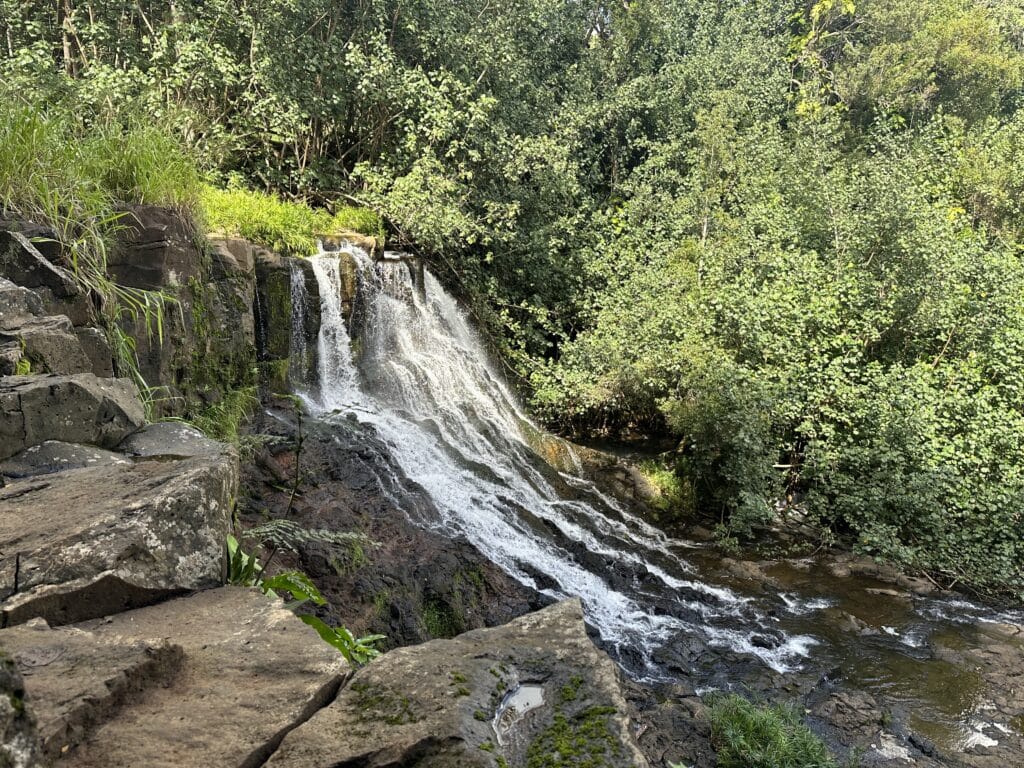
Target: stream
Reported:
[(938, 672)]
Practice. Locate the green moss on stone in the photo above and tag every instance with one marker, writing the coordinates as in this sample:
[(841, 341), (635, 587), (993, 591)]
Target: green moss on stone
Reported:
[(583, 741), (380, 705), (442, 621)]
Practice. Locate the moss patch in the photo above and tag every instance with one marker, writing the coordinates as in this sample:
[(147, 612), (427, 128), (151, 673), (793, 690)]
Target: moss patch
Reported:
[(375, 705), (585, 740), (440, 620)]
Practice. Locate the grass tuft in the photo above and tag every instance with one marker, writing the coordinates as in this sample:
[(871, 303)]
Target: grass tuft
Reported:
[(748, 735)]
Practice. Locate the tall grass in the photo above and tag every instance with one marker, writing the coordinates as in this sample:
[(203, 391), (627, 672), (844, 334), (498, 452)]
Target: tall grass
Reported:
[(290, 228), (76, 171)]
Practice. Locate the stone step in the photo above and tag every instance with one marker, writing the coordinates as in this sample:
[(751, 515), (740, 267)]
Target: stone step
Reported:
[(82, 408), (248, 673), (76, 680), (86, 533)]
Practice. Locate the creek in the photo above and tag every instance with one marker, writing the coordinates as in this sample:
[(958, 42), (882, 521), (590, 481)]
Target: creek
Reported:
[(406, 362)]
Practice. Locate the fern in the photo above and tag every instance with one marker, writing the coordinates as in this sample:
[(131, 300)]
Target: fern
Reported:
[(290, 536)]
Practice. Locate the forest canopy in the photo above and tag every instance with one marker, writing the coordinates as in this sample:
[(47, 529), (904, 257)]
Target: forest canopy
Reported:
[(787, 235)]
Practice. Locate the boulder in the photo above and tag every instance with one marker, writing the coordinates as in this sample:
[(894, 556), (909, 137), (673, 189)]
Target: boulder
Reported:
[(96, 347), (76, 680), (100, 539), (80, 408), (18, 305), (22, 263), (170, 439), (532, 691), (19, 740), (56, 456), (51, 344), (250, 672)]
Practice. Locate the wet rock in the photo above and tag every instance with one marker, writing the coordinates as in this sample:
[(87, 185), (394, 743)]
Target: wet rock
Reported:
[(80, 409), (403, 580), (440, 704), (749, 570), (274, 332), (250, 672), (855, 713), (97, 540), (672, 725), (75, 680), (56, 456), (19, 740), (50, 343), (170, 439)]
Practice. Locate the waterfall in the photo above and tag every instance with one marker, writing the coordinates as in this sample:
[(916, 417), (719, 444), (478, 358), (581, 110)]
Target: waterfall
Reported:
[(336, 374), (423, 380), (298, 365)]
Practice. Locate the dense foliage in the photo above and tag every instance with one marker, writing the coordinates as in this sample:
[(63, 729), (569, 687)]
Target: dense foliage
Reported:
[(786, 233)]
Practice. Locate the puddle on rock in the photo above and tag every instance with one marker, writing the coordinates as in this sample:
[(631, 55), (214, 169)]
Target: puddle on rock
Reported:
[(514, 707)]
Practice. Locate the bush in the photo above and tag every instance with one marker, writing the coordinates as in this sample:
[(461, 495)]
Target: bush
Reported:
[(290, 228), (747, 735)]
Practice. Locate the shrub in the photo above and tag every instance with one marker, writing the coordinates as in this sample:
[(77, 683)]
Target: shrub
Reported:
[(747, 735)]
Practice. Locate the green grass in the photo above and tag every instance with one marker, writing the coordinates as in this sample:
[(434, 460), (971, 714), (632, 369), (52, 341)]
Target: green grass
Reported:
[(223, 420), (748, 735), (290, 228), (76, 171)]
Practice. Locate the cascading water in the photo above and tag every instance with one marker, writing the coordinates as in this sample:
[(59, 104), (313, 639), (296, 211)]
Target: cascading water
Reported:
[(424, 382), (299, 357), (336, 374), (418, 375)]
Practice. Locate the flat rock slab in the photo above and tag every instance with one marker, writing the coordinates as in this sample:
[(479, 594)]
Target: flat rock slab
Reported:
[(78, 409), (75, 680), (89, 542), (56, 456), (251, 672), (170, 439), (535, 691)]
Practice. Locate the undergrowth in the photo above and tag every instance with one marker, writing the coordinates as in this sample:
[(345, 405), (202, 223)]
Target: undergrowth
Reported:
[(290, 228), (222, 421), (748, 735)]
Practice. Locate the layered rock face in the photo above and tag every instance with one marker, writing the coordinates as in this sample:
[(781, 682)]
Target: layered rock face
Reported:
[(205, 346)]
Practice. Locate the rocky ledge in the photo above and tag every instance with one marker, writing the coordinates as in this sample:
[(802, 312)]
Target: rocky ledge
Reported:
[(120, 645)]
